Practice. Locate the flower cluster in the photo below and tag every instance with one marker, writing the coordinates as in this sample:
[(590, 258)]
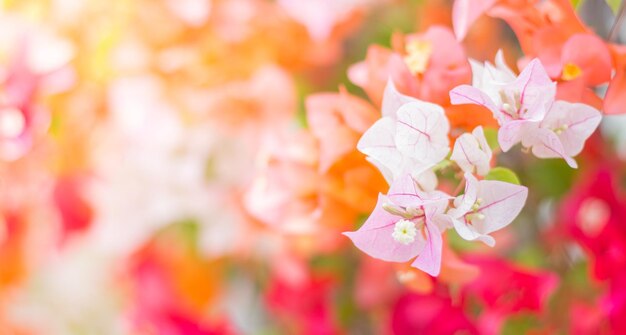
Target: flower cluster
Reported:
[(527, 111), (188, 167), (407, 144)]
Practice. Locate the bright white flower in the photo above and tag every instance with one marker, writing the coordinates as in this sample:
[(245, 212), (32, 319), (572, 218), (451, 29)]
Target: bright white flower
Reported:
[(404, 232), (411, 139)]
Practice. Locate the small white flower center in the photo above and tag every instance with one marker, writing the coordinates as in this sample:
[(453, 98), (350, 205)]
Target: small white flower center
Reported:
[(561, 129), (12, 122), (404, 232)]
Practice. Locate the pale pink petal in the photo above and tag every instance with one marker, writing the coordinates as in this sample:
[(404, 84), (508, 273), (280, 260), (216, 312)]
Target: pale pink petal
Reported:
[(358, 74), (479, 134), (405, 192), (575, 122), (471, 151), (500, 203), (429, 259), (426, 180), (436, 204), (536, 89), (513, 132), (378, 143), (375, 237), (548, 145), (422, 132), (466, 12), (336, 120), (466, 94), (467, 232), (393, 100), (464, 203), (387, 173)]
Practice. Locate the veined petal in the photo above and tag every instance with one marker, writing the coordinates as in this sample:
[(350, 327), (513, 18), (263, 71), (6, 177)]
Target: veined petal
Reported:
[(466, 94), (378, 143), (375, 237), (429, 259), (463, 203), (405, 192), (422, 131), (516, 131), (536, 90), (573, 123), (467, 232), (471, 151), (393, 100), (500, 203), (548, 145)]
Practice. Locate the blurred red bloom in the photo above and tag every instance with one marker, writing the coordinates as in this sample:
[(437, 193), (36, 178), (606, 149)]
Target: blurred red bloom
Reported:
[(594, 215), (504, 288), (305, 306), (429, 314)]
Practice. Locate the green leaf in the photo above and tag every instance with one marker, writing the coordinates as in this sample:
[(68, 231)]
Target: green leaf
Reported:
[(491, 135), (503, 174), (614, 5), (522, 323)]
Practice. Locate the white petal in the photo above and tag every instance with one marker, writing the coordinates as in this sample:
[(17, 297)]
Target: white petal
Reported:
[(378, 143), (422, 132), (577, 122), (469, 152), (467, 232), (548, 145), (501, 203), (393, 100), (464, 203)]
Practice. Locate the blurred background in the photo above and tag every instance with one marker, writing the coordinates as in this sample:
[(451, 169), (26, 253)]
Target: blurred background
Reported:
[(187, 167)]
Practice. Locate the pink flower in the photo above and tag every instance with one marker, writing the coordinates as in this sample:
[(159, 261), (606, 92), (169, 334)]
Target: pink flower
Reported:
[(485, 207), (337, 120), (404, 226), (425, 65)]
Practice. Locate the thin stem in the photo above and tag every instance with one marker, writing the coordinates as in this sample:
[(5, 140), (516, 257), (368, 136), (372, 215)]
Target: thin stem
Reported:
[(618, 21), (459, 187)]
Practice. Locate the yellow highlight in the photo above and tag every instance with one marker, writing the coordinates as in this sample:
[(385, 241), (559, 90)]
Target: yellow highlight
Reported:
[(571, 71), (418, 55)]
